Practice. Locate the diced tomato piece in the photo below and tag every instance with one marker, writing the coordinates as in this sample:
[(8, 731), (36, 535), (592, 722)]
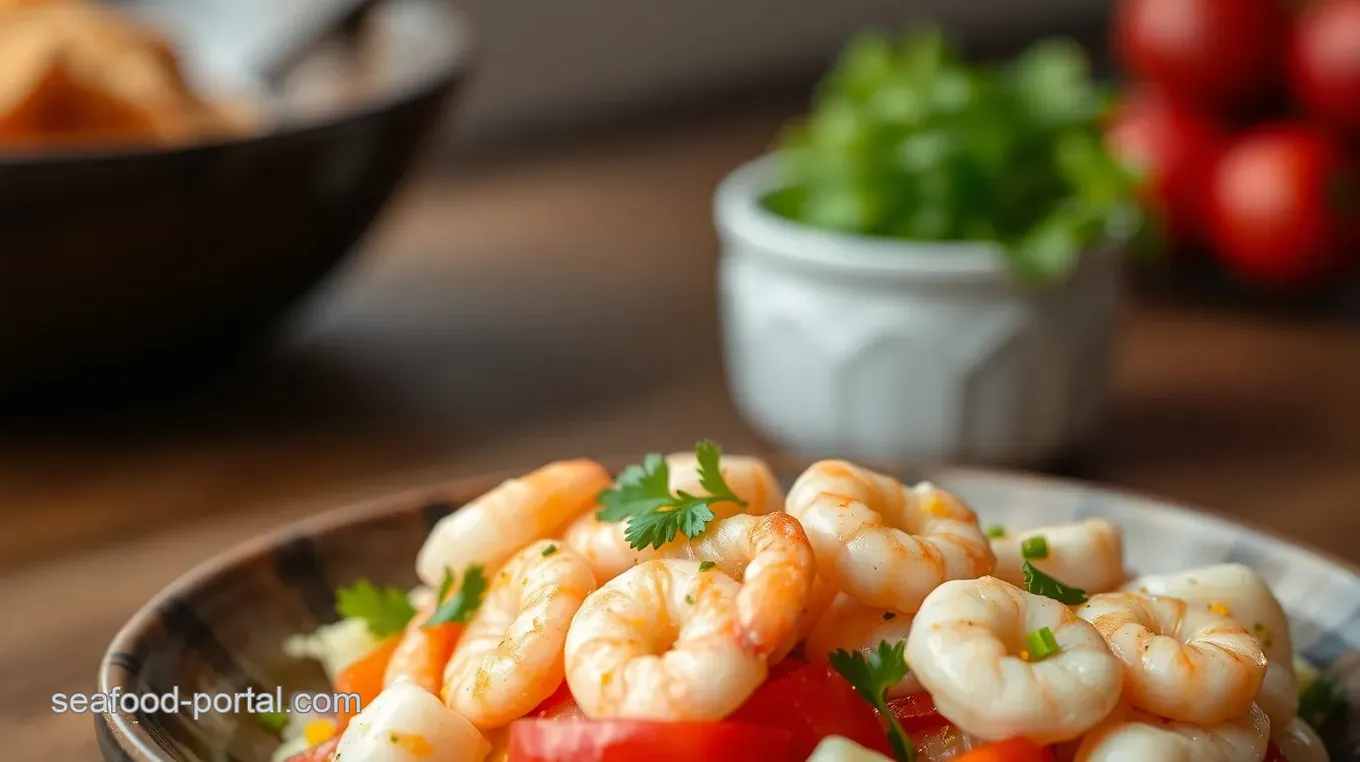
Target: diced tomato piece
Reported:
[(784, 668), (560, 705), (364, 677), (320, 753), (639, 740), (916, 712), (1014, 750), (1273, 753), (811, 703)]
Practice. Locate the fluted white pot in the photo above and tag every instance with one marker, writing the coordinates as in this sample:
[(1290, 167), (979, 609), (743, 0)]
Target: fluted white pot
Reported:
[(879, 348)]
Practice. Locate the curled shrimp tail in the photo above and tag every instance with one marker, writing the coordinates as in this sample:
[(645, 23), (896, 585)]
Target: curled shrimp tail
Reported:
[(777, 583), (773, 559)]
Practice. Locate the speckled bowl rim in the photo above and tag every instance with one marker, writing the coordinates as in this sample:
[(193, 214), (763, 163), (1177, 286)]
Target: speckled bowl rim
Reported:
[(117, 734)]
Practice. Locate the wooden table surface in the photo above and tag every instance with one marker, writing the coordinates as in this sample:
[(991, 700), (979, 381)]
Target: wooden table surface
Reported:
[(561, 303)]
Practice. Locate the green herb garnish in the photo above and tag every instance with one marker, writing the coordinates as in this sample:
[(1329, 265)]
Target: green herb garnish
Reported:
[(1321, 700), (1042, 644), (706, 565), (871, 677), (385, 611), (445, 585), (905, 140), (1034, 548), (272, 721), (464, 603), (548, 551), (1041, 584), (995, 531), (642, 497)]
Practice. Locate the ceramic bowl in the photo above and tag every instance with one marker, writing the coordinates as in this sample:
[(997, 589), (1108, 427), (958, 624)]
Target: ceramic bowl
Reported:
[(220, 627), (865, 347), (123, 259)]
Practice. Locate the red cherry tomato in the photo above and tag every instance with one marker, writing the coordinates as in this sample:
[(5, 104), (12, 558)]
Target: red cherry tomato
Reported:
[(640, 740), (1324, 62), (1220, 52), (1015, 750), (1173, 148), (811, 703), (1282, 205), (320, 753)]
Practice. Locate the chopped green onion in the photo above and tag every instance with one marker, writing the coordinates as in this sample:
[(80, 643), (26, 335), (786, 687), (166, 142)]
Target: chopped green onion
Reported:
[(996, 531), (1034, 548), (548, 551), (272, 721), (1042, 644), (706, 565)]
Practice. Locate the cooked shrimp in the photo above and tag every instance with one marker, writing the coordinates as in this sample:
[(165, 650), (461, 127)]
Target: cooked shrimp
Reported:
[(881, 542), (604, 548), (406, 723), (660, 642), (423, 651), (850, 625), (510, 656), (749, 478), (602, 543), (1299, 742), (1088, 555), (490, 529), (771, 557), (967, 648), (1238, 592), (1181, 662), (1134, 735)]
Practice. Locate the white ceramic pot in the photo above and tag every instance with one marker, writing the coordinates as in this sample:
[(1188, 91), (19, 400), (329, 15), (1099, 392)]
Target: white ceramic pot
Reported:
[(877, 348)]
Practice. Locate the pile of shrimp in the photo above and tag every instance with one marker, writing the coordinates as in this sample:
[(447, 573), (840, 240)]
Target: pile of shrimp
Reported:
[(1188, 667)]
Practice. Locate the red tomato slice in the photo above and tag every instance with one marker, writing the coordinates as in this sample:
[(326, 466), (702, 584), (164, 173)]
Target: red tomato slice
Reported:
[(916, 712), (811, 703), (560, 705), (784, 668), (320, 753), (638, 740), (1014, 750), (1273, 754)]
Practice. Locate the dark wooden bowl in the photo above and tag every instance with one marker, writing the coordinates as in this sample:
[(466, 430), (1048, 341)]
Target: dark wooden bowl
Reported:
[(115, 260), (220, 628)]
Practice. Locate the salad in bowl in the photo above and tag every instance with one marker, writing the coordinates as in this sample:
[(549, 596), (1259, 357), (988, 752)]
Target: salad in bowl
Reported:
[(692, 609)]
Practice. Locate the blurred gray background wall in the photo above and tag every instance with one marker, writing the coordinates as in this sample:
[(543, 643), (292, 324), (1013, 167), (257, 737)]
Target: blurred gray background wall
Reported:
[(550, 60), (540, 63)]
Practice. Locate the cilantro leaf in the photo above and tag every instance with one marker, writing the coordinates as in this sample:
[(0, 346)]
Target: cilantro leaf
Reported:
[(907, 140), (1041, 584), (642, 497), (638, 489), (871, 677), (660, 526), (464, 603), (445, 585), (385, 611), (711, 479), (1321, 700)]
